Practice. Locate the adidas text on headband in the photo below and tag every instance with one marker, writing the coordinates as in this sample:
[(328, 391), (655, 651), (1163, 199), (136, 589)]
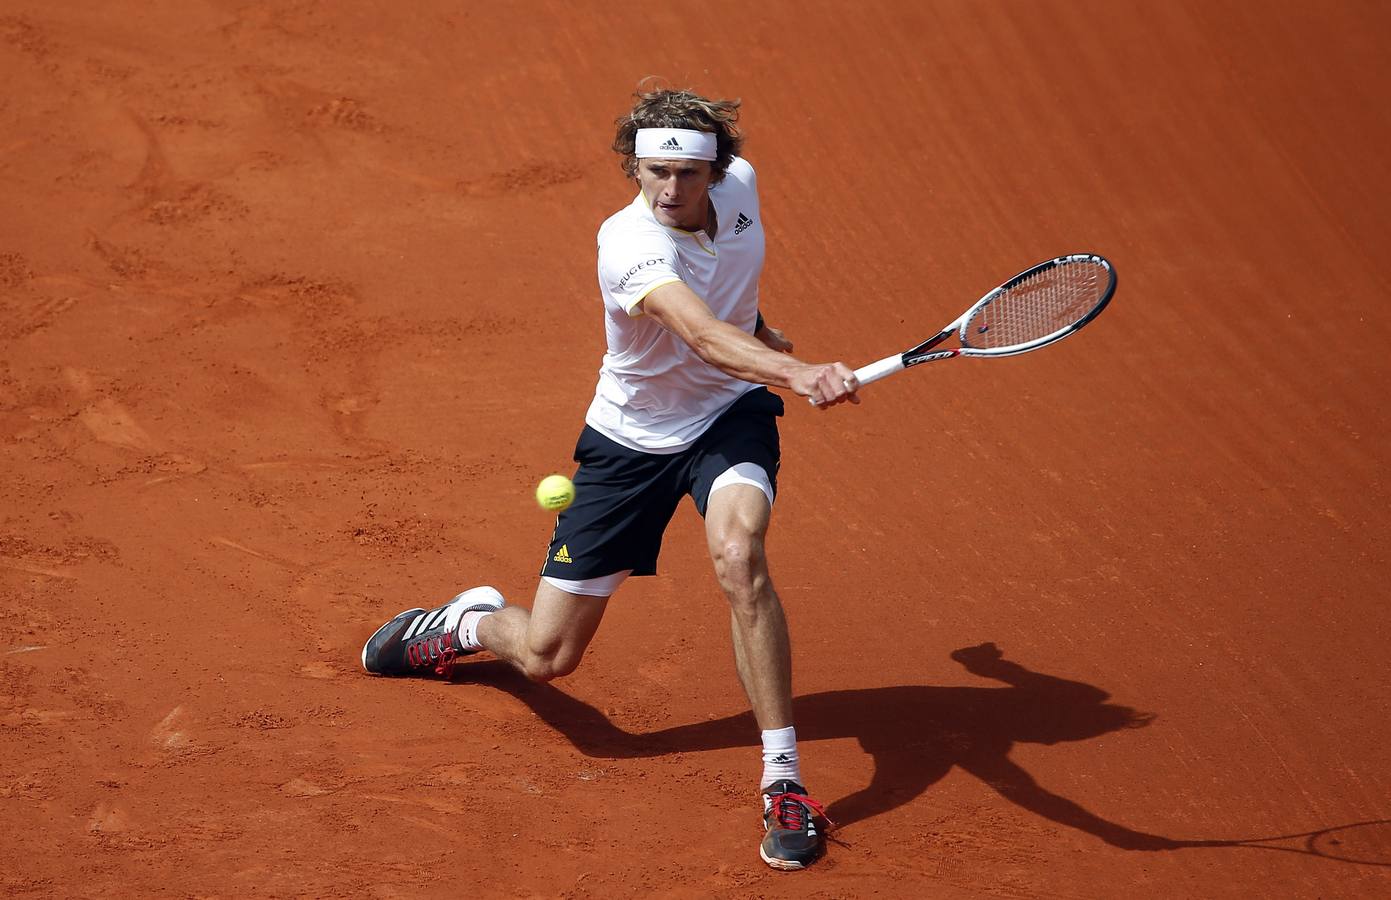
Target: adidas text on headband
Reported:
[(675, 143)]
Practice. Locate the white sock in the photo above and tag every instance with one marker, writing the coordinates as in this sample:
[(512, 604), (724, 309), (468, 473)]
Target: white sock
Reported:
[(780, 759), (468, 628)]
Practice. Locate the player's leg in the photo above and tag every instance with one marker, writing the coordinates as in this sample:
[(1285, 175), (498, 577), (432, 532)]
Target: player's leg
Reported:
[(544, 642), (734, 485), (736, 523), (548, 640)]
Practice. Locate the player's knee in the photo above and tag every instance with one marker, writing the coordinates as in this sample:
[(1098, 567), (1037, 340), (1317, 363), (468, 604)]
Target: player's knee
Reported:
[(547, 666), (538, 671), (743, 575), (740, 567)]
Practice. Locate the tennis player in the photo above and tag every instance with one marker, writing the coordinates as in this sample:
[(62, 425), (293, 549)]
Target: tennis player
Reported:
[(681, 408)]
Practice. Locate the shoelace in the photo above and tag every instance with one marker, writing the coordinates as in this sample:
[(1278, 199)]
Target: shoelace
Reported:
[(789, 810), (442, 646)]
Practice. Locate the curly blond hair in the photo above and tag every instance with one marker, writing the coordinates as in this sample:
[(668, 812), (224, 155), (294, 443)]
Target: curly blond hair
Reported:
[(668, 108)]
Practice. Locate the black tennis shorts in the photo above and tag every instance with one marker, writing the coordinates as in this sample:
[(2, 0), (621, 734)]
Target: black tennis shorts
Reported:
[(625, 498)]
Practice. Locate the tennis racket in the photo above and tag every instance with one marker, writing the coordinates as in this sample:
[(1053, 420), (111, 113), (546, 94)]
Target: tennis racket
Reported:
[(1035, 308)]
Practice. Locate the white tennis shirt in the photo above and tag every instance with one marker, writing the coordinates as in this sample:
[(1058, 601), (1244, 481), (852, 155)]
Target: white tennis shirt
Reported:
[(654, 393)]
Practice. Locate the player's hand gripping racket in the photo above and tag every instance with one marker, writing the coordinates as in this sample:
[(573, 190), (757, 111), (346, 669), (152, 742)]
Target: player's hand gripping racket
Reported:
[(1035, 308)]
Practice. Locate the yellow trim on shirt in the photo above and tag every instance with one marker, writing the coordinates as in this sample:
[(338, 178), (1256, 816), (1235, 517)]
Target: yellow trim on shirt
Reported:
[(635, 310), (699, 243)]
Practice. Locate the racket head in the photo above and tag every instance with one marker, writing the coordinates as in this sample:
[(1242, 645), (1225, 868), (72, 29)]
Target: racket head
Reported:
[(1367, 843), (1038, 306)]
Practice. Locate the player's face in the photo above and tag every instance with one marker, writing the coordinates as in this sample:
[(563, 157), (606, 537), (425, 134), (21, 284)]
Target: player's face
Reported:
[(676, 190)]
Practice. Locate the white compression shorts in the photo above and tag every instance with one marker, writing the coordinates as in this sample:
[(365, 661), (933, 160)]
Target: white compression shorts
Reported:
[(748, 473)]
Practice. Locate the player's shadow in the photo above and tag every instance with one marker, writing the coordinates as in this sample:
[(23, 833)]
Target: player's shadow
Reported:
[(914, 734)]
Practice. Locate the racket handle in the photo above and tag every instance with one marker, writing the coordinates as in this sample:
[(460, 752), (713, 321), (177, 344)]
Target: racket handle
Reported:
[(877, 370)]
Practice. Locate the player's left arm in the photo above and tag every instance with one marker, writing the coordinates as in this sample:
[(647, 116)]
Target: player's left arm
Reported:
[(772, 338)]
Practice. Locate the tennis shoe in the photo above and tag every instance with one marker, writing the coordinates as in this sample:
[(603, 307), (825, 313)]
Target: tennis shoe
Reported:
[(422, 642), (793, 826)]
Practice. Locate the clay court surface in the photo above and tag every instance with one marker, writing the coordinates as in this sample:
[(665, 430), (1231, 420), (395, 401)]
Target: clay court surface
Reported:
[(297, 303)]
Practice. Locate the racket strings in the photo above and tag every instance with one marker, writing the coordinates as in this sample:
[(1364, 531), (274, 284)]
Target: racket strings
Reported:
[(1037, 306)]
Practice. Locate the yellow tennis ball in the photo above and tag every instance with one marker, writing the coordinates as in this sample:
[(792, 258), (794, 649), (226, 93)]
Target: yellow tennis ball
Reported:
[(555, 492)]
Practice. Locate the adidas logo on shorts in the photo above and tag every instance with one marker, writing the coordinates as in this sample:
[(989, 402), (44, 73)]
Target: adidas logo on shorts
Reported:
[(563, 554)]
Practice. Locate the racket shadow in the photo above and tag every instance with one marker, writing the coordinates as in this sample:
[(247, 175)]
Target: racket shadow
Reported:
[(1362, 843), (915, 735)]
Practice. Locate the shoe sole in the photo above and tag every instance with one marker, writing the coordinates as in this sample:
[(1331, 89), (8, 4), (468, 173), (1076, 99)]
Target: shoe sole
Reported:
[(391, 622), (782, 865)]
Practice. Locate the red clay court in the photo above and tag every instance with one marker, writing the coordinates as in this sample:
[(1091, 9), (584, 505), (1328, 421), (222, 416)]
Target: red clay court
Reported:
[(297, 303)]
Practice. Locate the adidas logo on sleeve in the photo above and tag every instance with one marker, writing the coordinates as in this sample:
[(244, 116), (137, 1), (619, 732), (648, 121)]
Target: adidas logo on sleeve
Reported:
[(742, 224)]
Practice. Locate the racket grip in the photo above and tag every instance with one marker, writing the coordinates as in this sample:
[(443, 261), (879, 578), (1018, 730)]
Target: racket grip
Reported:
[(877, 370), (874, 371)]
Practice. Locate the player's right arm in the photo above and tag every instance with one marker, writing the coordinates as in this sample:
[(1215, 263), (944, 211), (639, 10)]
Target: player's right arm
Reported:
[(733, 351)]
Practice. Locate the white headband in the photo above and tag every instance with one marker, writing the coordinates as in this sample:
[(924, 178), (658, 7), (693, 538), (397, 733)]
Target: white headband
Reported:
[(675, 143)]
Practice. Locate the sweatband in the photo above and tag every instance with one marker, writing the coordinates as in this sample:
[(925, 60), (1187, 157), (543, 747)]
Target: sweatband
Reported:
[(675, 143)]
